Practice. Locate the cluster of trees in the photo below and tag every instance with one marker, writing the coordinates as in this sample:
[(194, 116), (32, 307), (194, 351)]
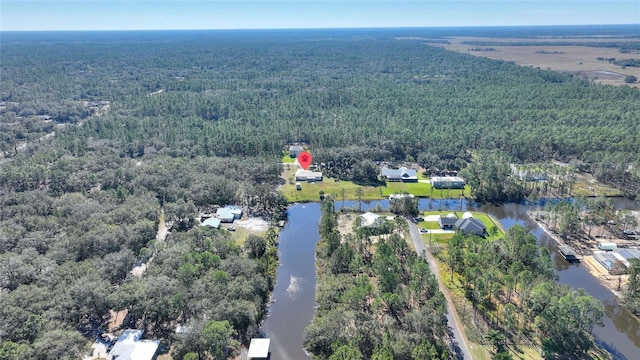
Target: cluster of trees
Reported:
[(375, 301), (65, 265), (511, 286), (585, 214), (632, 293)]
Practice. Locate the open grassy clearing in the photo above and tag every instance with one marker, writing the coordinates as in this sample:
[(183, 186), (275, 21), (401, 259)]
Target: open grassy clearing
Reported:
[(422, 189), (586, 185), (579, 60), (311, 191), (286, 159)]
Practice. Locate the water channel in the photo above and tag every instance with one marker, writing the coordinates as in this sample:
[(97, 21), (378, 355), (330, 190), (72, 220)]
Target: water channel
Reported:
[(294, 293)]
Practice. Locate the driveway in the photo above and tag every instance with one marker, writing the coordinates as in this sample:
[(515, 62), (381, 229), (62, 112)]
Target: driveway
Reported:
[(460, 342)]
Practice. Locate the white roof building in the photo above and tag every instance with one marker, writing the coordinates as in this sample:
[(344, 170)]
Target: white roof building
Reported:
[(370, 219), (259, 349), (130, 347), (308, 175)]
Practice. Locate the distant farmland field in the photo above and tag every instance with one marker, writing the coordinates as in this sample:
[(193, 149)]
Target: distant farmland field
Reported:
[(574, 59)]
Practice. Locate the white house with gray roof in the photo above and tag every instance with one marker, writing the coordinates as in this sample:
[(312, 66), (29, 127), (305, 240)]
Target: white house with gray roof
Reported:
[(403, 174)]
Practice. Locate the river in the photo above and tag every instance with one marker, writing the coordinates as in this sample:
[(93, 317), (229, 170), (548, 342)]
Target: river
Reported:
[(294, 293)]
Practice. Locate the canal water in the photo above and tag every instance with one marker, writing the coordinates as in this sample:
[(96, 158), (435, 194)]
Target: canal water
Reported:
[(294, 293)]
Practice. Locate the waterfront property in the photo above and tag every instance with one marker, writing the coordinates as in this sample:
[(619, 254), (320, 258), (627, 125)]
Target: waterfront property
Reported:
[(403, 174), (308, 175), (447, 222), (610, 262), (371, 220), (568, 253), (447, 182)]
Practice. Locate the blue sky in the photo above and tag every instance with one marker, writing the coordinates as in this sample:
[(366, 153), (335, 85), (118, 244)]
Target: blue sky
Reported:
[(261, 14)]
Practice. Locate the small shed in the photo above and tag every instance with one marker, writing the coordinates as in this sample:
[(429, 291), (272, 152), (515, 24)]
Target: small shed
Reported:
[(607, 246), (259, 349)]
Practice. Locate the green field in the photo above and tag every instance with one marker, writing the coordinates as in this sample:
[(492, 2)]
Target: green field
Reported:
[(286, 159), (418, 189)]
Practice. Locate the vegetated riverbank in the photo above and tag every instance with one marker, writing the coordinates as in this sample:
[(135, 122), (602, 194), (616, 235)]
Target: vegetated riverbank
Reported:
[(585, 248), (376, 297)]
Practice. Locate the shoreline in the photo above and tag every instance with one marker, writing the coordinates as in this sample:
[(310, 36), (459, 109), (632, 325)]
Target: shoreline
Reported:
[(611, 282)]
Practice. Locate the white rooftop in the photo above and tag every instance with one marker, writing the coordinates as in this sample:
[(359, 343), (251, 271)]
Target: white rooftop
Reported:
[(259, 348), (130, 347)]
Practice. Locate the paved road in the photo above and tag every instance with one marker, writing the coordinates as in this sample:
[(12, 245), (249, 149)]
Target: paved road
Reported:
[(460, 342)]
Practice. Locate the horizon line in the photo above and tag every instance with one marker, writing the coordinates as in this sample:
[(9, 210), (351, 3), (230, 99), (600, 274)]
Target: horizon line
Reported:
[(328, 28)]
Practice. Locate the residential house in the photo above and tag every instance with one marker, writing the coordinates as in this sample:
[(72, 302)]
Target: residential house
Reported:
[(229, 213), (403, 174), (129, 346), (447, 182), (225, 215), (471, 226), (294, 150), (447, 222), (308, 175), (370, 220), (236, 211)]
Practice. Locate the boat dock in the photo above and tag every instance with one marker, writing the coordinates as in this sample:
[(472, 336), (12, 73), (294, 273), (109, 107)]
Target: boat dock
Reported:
[(568, 253)]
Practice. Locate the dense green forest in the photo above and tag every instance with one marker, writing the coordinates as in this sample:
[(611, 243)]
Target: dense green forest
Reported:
[(376, 300), (512, 290), (249, 93), (106, 136)]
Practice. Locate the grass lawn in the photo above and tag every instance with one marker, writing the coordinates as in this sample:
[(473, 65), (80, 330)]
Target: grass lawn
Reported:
[(422, 190), (310, 191), (286, 159)]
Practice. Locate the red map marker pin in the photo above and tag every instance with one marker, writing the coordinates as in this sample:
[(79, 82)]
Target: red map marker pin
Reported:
[(304, 159)]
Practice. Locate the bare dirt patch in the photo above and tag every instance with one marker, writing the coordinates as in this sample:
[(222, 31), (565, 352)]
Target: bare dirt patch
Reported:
[(577, 60), (256, 225), (345, 223)]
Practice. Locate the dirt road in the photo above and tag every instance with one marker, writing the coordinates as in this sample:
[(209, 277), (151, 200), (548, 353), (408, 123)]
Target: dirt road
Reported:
[(460, 342)]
